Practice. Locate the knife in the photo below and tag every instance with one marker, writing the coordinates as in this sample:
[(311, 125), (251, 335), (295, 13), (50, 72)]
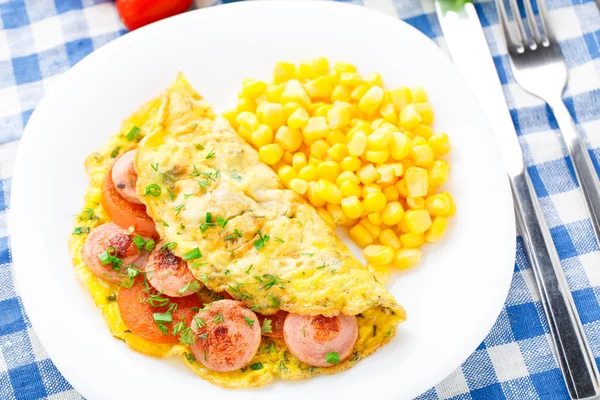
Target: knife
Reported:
[(471, 55)]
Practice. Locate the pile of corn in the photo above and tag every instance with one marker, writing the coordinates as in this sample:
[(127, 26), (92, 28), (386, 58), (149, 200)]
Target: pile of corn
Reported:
[(365, 157)]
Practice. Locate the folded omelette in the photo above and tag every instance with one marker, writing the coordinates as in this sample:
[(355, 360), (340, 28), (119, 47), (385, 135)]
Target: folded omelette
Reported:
[(211, 197)]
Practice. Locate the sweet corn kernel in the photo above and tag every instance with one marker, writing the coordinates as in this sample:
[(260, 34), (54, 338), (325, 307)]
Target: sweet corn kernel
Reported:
[(299, 161), (314, 161), (350, 79), (245, 104), (274, 92), (298, 119), (381, 273), (406, 258), (358, 144), (418, 141), (380, 139), (377, 156), (388, 113), (321, 65), (415, 203), (389, 238), (407, 163), (422, 155), (400, 146), (338, 117), (402, 189), (378, 254), (374, 79), (391, 193), (289, 139), (347, 176), (373, 229), (298, 185), (349, 188), (437, 229), (320, 87), (416, 181), (261, 136), (359, 92), (361, 236), (375, 201), (286, 174), (316, 128), (244, 133), (312, 195), (328, 170), (375, 218), (424, 131), (270, 114), (438, 173), (287, 157), (352, 207), (412, 240), (452, 205), (247, 120), (337, 152), (368, 174), (376, 123), (417, 221), (400, 97), (440, 144), (438, 205), (323, 213), (329, 191), (289, 109), (231, 115), (337, 214), (252, 88), (392, 213), (322, 110), (370, 188), (337, 137), (270, 153), (350, 163), (308, 173), (319, 149), (340, 93), (398, 169), (283, 72), (306, 69), (297, 95), (402, 228), (371, 100), (419, 94), (409, 117), (386, 174), (293, 84), (341, 66)]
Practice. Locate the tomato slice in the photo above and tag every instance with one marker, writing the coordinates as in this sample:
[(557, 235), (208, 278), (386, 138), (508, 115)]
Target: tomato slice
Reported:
[(137, 13), (124, 213), (138, 313)]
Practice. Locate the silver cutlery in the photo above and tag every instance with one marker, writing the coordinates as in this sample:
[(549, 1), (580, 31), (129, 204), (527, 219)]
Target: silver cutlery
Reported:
[(469, 50), (539, 68)]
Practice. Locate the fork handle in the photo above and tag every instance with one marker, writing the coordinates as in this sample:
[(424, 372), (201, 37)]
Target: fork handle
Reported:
[(571, 348), (584, 168)]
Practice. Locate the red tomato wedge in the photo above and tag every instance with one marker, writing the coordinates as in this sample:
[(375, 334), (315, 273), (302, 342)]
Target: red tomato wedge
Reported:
[(137, 13), (124, 213), (138, 313)]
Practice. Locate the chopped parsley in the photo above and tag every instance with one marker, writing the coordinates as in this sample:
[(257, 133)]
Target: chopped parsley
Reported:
[(266, 326), (200, 322), (262, 239), (203, 336), (237, 232), (150, 243), (81, 230), (208, 218), (270, 347), (274, 300), (194, 286), (257, 366), (249, 321), (152, 190), (187, 336), (108, 258), (133, 133), (139, 242), (219, 318), (211, 154), (192, 254), (332, 358)]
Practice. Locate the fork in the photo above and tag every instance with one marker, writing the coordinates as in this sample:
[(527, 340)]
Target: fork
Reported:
[(539, 67)]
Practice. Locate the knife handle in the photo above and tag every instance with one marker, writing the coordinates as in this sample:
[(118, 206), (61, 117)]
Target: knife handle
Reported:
[(571, 347)]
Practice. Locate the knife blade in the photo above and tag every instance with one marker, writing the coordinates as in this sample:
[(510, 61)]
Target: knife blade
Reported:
[(469, 50)]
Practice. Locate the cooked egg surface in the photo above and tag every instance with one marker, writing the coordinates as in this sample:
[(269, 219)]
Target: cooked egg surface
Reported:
[(260, 243)]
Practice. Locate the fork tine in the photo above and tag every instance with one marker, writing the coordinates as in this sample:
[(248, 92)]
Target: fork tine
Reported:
[(510, 43), (543, 18), (532, 22), (517, 17)]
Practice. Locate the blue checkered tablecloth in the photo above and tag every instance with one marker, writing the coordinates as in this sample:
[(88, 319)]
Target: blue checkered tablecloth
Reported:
[(41, 39)]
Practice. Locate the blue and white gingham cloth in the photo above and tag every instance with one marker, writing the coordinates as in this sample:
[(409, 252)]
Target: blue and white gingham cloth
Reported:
[(42, 39)]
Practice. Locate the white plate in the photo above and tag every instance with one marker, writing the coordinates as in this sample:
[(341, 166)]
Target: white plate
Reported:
[(452, 298)]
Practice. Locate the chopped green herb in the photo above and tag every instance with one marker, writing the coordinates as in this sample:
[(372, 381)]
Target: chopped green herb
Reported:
[(195, 172), (157, 301), (199, 147), (222, 222), (274, 300), (200, 322), (190, 357), (205, 225), (115, 152), (131, 229), (163, 318), (162, 221), (218, 318), (208, 218), (203, 336), (227, 272), (192, 254), (168, 246), (249, 321), (308, 254), (179, 208), (87, 214), (178, 328), (268, 281), (211, 154), (255, 308), (132, 133), (322, 266), (332, 358), (194, 125), (194, 286), (187, 336), (266, 326), (154, 166), (185, 196), (163, 329), (237, 232), (150, 244), (229, 237), (256, 367), (81, 230), (108, 258), (278, 240), (171, 195), (270, 347), (262, 239), (249, 268), (112, 297), (139, 242), (303, 331), (152, 190), (374, 330)]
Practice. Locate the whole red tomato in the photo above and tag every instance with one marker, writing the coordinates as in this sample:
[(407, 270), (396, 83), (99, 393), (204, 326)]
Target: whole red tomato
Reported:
[(137, 13)]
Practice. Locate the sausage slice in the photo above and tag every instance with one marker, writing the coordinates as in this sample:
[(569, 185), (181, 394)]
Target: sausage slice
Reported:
[(168, 273)]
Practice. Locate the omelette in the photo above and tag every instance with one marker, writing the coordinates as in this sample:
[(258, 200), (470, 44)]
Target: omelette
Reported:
[(213, 260)]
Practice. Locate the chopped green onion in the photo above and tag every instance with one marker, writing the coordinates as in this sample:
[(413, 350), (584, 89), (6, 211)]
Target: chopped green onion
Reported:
[(211, 154), (222, 222), (192, 254), (332, 358), (81, 230), (152, 190), (171, 195), (163, 318), (168, 246), (256, 367), (139, 242), (200, 322), (154, 166), (194, 286), (179, 208), (262, 239), (150, 244), (218, 318), (187, 336), (132, 133), (249, 321), (208, 218)]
